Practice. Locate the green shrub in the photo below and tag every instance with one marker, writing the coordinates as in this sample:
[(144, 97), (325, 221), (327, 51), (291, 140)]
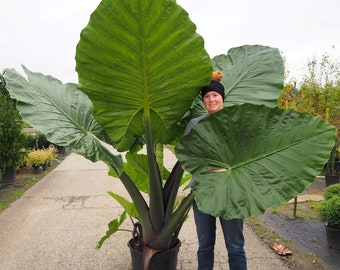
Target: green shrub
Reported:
[(329, 211), (40, 157), (12, 139), (37, 158), (332, 190)]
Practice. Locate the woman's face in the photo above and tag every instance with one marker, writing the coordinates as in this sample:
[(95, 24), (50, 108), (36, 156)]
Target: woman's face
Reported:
[(213, 102)]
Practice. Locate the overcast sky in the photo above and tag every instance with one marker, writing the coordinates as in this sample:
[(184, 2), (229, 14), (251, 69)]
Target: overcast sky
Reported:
[(43, 34)]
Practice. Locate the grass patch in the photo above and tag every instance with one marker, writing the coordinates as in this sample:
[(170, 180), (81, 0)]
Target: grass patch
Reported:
[(306, 210), (11, 192), (9, 198)]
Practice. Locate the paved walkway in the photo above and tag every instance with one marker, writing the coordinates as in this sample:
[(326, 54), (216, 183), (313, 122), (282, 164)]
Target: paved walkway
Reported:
[(57, 223)]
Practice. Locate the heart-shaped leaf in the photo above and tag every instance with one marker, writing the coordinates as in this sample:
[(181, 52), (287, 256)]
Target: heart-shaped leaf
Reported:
[(252, 74), (61, 112), (270, 155), (136, 64)]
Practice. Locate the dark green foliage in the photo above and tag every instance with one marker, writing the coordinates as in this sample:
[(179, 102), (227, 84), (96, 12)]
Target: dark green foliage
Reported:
[(331, 191), (36, 141), (11, 137), (330, 211)]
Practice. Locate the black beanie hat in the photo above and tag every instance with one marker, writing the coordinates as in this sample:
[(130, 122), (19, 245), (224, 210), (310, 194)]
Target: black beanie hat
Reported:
[(213, 86)]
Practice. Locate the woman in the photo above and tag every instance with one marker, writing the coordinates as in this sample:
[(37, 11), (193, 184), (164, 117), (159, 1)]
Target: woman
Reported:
[(213, 97)]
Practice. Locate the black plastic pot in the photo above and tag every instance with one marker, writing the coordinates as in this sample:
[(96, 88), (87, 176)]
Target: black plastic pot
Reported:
[(337, 167), (8, 175), (61, 150), (165, 260), (37, 169), (333, 237), (332, 179)]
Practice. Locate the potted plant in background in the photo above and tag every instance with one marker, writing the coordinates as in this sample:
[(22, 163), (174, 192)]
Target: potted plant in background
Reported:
[(332, 172), (141, 66), (12, 139), (37, 159), (329, 211)]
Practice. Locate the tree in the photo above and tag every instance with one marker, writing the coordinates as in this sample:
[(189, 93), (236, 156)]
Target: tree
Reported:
[(319, 93), (11, 137)]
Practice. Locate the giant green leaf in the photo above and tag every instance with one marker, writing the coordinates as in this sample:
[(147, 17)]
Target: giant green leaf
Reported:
[(252, 74), (141, 61), (61, 112), (270, 155)]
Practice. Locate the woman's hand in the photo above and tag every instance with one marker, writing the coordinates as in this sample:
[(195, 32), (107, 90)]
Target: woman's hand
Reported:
[(219, 170)]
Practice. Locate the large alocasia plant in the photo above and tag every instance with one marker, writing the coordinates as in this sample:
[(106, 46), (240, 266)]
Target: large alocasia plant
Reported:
[(141, 65)]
